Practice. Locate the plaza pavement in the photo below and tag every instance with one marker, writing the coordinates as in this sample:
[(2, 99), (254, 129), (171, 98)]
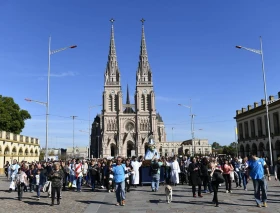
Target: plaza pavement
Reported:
[(140, 200)]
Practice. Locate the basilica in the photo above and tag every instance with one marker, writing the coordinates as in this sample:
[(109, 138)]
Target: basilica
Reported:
[(125, 129)]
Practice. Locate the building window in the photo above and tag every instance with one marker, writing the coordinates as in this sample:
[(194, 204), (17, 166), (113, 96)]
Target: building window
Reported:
[(246, 126), (253, 131), (266, 128), (143, 103), (240, 127), (259, 124), (276, 123)]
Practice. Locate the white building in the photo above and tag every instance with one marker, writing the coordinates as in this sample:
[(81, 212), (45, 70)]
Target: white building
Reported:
[(79, 152), (19, 147), (253, 131)]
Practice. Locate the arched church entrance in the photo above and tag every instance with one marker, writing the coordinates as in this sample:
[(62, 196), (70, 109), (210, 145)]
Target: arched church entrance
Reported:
[(187, 151), (130, 147), (113, 150)]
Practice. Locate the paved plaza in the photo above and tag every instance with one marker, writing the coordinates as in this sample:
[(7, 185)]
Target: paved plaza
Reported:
[(139, 200)]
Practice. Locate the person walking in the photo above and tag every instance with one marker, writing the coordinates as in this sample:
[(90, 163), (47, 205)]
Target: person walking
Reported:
[(277, 169), (257, 167), (56, 177), (119, 171), (195, 174), (216, 180), (21, 181), (155, 173), (227, 169)]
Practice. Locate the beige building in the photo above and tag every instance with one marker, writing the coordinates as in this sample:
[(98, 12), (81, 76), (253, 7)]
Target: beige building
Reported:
[(19, 147), (253, 131), (79, 152), (124, 129), (201, 146)]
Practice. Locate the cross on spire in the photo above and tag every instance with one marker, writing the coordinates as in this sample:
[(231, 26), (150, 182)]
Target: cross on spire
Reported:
[(142, 20), (112, 20)]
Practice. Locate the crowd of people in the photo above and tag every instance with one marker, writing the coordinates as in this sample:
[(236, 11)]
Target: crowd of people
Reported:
[(119, 174)]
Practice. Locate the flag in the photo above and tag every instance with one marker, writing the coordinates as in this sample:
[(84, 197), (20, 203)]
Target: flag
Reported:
[(236, 132)]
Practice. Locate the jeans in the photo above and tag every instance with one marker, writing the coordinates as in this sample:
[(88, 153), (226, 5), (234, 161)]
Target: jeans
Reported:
[(239, 179), (20, 190), (38, 188), (260, 185), (155, 182), (215, 187), (244, 180), (120, 191), (228, 181), (79, 183)]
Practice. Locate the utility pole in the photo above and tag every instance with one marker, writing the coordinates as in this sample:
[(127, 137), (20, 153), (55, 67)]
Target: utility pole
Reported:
[(73, 117)]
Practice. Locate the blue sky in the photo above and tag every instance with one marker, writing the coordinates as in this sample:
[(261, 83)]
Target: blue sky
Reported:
[(191, 48)]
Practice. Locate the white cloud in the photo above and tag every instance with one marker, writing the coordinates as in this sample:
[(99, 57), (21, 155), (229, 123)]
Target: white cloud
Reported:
[(64, 74)]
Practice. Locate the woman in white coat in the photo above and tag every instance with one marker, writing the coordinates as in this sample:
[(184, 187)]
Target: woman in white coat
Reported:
[(135, 176)]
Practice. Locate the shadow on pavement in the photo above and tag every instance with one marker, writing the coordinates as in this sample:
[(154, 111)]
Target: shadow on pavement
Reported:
[(94, 202)]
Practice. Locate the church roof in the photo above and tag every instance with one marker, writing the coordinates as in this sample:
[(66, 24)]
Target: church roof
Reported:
[(128, 109), (159, 118)]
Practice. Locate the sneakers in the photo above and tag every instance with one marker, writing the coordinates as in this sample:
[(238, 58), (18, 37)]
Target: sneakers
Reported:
[(38, 198), (264, 204), (259, 205), (123, 203), (226, 191), (230, 191)]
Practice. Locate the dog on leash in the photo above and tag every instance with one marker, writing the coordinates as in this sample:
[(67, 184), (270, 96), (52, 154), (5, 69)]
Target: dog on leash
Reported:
[(168, 193)]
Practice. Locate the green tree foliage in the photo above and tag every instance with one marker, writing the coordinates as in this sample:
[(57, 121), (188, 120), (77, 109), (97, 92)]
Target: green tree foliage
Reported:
[(11, 116), (229, 150), (216, 145)]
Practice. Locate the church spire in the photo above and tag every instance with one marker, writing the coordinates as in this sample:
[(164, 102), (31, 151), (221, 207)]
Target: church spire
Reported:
[(112, 75), (127, 96), (144, 74)]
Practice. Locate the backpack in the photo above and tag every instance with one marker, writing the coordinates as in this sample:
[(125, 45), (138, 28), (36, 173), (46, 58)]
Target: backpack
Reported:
[(154, 168)]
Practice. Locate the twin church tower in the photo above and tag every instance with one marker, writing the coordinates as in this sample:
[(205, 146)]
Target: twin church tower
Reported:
[(125, 129)]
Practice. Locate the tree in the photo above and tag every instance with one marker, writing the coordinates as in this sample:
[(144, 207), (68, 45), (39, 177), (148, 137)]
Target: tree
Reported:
[(11, 116), (216, 145), (229, 150)]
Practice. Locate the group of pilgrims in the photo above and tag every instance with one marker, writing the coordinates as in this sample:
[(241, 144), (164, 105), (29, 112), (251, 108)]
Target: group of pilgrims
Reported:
[(120, 174)]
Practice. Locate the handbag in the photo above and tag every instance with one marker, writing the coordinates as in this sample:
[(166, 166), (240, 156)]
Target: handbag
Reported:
[(218, 177)]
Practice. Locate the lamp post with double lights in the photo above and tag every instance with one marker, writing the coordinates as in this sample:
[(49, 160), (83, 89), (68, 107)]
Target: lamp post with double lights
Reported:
[(260, 52), (192, 124), (51, 52), (89, 129), (45, 104)]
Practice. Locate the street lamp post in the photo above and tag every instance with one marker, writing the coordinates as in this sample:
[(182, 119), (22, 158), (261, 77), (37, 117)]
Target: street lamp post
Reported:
[(51, 52), (260, 52), (73, 117), (89, 129), (192, 125)]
